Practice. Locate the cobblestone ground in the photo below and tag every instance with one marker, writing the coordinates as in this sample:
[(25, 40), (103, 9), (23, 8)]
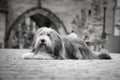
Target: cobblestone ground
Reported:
[(13, 67)]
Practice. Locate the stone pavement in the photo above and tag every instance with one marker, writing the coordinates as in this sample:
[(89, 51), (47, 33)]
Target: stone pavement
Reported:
[(13, 67)]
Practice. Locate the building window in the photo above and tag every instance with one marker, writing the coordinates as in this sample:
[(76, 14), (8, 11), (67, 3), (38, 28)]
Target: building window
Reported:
[(89, 12), (3, 5)]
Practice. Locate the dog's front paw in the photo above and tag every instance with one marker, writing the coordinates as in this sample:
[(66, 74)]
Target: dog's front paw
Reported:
[(43, 57), (28, 56), (38, 56)]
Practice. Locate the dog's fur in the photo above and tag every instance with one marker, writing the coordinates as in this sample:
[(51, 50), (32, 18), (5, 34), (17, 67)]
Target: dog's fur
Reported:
[(48, 42)]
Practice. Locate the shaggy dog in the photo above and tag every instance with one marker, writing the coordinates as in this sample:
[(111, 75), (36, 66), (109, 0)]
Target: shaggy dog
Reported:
[(48, 44)]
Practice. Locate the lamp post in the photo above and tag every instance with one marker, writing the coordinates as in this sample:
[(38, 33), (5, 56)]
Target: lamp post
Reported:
[(104, 20)]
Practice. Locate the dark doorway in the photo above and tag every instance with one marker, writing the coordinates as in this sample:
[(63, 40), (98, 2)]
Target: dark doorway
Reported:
[(43, 21)]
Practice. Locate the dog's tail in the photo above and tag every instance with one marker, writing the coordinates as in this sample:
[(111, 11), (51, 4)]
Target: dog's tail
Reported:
[(104, 55)]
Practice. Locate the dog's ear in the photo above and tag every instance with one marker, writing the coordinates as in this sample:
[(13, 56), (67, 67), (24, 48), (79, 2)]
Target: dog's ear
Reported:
[(60, 48), (33, 44), (57, 43)]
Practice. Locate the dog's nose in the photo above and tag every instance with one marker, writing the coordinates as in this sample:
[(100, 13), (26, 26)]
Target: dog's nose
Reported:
[(42, 40)]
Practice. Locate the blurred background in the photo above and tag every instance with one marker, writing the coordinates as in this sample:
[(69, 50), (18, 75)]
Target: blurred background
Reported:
[(97, 22)]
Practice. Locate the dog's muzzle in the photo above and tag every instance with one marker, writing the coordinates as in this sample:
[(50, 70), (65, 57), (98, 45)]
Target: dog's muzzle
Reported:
[(42, 44)]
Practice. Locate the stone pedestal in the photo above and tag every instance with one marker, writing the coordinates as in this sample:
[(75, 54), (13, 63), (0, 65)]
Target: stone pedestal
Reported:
[(113, 44)]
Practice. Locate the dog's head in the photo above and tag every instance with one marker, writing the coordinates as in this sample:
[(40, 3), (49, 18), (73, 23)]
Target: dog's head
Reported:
[(47, 40)]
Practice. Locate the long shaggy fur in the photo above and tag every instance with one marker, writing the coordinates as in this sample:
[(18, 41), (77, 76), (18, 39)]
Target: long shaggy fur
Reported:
[(48, 42)]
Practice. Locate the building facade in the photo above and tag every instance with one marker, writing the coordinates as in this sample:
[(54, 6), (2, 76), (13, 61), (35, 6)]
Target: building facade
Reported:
[(18, 18)]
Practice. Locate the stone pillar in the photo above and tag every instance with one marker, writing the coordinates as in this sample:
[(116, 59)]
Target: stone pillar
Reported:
[(113, 42), (110, 17), (2, 28), (3, 11)]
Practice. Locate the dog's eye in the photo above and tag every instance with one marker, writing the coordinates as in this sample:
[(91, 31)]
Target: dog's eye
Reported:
[(41, 34), (48, 34)]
